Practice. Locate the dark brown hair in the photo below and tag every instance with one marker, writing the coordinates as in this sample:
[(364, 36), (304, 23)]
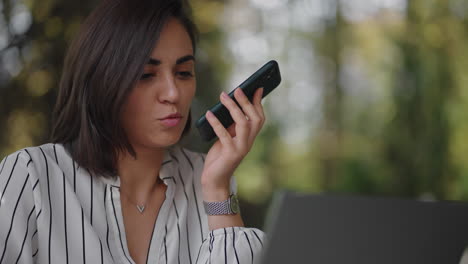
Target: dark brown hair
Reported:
[(102, 65)]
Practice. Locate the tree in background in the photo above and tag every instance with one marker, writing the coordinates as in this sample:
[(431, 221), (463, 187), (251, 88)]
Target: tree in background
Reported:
[(36, 35), (418, 136)]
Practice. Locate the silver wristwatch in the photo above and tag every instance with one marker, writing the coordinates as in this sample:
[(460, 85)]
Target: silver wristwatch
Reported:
[(226, 207)]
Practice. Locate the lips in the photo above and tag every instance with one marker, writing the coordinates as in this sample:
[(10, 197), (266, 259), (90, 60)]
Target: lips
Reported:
[(174, 115), (170, 122)]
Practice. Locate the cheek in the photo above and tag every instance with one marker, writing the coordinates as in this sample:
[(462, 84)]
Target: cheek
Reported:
[(139, 100), (190, 93), (134, 108)]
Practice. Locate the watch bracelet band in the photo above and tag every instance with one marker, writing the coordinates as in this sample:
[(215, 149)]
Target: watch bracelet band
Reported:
[(218, 208)]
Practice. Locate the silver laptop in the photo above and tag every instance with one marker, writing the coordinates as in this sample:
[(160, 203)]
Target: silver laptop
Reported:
[(335, 229)]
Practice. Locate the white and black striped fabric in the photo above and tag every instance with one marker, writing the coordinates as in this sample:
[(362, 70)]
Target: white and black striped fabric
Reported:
[(53, 211)]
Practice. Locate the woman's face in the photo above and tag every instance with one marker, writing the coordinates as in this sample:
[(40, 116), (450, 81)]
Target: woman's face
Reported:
[(166, 87)]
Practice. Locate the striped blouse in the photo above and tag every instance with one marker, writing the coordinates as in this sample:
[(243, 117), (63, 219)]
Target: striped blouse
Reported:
[(53, 211)]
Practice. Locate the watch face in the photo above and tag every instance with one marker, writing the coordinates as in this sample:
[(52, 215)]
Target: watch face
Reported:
[(234, 203)]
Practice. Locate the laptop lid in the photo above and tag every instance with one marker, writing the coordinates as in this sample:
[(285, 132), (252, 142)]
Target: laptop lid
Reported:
[(335, 229)]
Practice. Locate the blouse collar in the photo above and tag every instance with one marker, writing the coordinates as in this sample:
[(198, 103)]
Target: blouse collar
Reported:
[(165, 173)]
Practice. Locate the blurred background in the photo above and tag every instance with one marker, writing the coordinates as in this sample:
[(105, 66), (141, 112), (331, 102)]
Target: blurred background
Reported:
[(371, 101)]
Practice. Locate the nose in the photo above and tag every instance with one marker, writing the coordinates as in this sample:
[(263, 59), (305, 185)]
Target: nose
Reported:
[(169, 91)]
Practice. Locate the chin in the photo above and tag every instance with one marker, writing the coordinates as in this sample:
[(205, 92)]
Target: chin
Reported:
[(167, 140)]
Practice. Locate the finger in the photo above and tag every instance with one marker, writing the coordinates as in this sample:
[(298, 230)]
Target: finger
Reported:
[(246, 105), (232, 130), (258, 119), (257, 101), (257, 126), (219, 129), (255, 120), (242, 125)]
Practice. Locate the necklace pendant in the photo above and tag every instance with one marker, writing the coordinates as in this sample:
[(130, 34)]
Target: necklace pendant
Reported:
[(140, 208)]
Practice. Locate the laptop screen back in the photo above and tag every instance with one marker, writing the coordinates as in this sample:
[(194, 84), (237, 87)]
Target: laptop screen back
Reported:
[(331, 229)]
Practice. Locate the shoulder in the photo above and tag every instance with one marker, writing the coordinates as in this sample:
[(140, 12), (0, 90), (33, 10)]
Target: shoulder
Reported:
[(36, 160), (17, 186), (43, 156), (25, 158), (20, 167), (14, 164)]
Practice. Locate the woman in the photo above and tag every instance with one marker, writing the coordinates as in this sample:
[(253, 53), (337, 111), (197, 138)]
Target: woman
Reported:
[(114, 186)]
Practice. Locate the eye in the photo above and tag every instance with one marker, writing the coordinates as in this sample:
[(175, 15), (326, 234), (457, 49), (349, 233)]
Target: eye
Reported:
[(185, 74), (146, 76)]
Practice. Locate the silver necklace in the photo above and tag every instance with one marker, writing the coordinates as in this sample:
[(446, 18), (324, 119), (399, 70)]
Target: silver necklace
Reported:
[(141, 208)]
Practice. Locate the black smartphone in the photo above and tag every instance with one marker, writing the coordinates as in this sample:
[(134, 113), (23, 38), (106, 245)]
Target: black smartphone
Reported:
[(268, 77)]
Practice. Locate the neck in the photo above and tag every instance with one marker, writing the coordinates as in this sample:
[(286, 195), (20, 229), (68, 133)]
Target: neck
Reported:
[(139, 177)]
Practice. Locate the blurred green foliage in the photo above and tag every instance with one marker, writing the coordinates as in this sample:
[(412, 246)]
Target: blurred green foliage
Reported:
[(390, 110)]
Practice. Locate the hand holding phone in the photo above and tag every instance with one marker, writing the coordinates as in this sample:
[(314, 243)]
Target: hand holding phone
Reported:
[(268, 77)]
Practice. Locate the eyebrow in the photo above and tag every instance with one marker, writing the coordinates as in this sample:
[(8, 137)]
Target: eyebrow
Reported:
[(180, 60)]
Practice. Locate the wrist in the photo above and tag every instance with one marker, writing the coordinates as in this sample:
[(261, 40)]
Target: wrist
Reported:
[(215, 194)]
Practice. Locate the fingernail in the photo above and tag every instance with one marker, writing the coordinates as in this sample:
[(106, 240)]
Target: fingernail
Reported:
[(224, 94), (208, 113)]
